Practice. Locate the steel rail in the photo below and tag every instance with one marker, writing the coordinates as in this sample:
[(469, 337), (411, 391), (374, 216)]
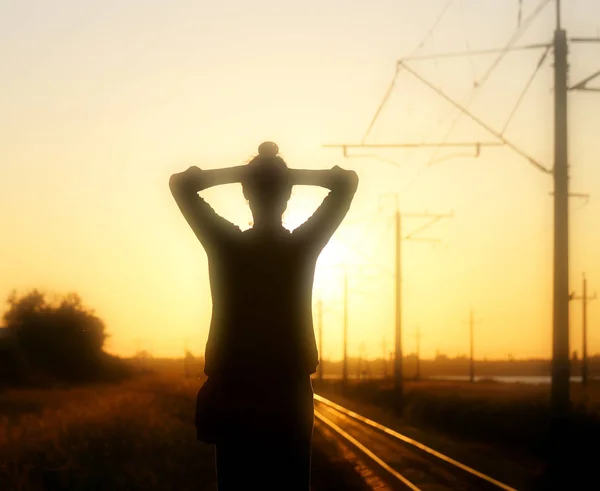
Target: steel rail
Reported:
[(414, 443), (366, 451)]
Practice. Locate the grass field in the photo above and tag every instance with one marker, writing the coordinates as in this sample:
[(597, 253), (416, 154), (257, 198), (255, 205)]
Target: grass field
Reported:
[(136, 435), (495, 412), (140, 434)]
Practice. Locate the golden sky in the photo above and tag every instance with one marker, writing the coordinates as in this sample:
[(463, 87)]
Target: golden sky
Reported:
[(100, 102)]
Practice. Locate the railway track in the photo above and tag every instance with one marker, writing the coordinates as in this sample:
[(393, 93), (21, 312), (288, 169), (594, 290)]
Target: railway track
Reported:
[(405, 463)]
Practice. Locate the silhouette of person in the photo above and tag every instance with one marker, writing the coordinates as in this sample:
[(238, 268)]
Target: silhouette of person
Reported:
[(257, 403)]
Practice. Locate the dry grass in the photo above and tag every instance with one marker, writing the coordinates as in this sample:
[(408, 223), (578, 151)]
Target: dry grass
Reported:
[(492, 404), (140, 435), (135, 435)]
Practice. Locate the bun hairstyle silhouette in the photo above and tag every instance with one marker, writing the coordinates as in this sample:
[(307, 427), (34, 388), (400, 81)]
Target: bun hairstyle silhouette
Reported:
[(267, 184), (268, 149)]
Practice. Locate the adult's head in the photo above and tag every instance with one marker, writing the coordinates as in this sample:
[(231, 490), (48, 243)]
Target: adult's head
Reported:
[(267, 185)]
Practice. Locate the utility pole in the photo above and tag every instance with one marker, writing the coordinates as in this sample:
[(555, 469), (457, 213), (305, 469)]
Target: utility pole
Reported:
[(345, 341), (398, 357), (559, 390), (398, 331), (471, 323), (472, 363), (186, 367), (434, 217), (399, 237), (384, 358), (560, 347), (361, 360), (321, 310), (584, 361), (358, 364), (418, 336), (320, 323)]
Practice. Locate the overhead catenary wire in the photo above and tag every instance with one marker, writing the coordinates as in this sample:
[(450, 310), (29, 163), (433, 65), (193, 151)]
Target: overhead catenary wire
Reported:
[(477, 52), (434, 159), (469, 57), (525, 89), (479, 84), (414, 54), (521, 29), (393, 83), (382, 103), (438, 91), (515, 37), (434, 26)]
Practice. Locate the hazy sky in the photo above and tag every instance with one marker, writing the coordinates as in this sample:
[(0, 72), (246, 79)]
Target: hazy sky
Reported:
[(100, 102)]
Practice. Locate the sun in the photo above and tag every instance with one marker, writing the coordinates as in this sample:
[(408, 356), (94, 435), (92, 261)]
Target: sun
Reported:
[(336, 255)]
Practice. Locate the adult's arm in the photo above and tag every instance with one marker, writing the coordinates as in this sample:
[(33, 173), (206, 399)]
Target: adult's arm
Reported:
[(318, 229), (210, 228)]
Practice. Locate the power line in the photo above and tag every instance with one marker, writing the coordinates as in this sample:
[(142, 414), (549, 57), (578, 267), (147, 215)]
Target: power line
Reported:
[(346, 146), (418, 337), (502, 53), (478, 52), (469, 58), (434, 26), (525, 89), (515, 37), (382, 104), (559, 390), (444, 142), (438, 91), (471, 346), (393, 83), (583, 84)]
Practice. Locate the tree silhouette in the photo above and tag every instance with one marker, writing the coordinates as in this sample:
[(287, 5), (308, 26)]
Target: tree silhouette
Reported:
[(61, 340)]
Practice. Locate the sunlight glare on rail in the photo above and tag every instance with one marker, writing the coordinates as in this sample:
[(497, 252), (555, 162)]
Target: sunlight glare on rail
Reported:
[(410, 441), (365, 450)]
